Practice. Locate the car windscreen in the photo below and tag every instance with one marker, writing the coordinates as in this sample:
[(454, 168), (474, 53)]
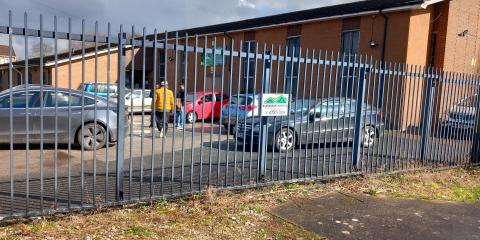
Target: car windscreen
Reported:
[(105, 88), (241, 100)]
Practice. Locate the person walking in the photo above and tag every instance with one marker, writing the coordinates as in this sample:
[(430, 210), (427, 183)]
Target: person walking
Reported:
[(164, 104), (179, 106)]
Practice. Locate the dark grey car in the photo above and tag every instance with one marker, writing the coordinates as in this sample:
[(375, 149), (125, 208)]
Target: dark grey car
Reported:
[(327, 120), (56, 122)]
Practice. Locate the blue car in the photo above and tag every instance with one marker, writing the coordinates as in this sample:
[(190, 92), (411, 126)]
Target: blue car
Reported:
[(100, 89)]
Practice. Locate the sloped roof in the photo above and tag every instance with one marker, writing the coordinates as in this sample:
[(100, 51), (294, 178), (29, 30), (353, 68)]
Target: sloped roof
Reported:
[(331, 11), (4, 51)]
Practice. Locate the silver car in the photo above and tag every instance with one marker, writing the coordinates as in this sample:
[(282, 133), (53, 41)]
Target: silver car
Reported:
[(56, 122), (463, 114)]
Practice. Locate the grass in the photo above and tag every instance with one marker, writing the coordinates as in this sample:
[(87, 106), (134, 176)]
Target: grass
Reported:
[(240, 215)]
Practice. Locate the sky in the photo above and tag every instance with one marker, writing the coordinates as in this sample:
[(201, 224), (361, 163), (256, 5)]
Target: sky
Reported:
[(160, 14)]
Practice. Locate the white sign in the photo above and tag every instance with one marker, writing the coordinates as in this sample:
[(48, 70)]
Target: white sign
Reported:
[(275, 105)]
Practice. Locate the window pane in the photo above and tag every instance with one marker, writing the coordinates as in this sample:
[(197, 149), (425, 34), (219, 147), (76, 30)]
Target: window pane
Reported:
[(20, 100), (208, 98), (293, 44), (62, 100)]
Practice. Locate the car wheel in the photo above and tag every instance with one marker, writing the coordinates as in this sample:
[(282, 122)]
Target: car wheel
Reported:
[(191, 117), (88, 139), (369, 137), (284, 139)]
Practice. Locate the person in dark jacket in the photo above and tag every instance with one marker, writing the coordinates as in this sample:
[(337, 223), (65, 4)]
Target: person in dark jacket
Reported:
[(180, 103)]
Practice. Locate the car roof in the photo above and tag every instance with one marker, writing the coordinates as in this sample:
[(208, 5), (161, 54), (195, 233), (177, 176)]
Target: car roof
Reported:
[(37, 87), (201, 93)]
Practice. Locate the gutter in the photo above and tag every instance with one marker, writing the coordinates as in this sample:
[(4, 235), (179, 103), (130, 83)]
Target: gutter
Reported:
[(382, 57), (427, 3), (231, 39), (385, 32)]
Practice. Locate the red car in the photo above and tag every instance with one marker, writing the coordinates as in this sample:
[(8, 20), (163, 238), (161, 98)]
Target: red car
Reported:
[(205, 105)]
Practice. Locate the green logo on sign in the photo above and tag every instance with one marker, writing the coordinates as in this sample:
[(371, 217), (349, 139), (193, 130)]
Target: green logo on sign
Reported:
[(278, 100)]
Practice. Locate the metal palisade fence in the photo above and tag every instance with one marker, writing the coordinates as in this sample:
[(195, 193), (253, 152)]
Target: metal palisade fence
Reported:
[(81, 116)]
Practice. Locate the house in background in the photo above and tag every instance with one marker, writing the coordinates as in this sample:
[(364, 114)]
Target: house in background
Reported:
[(5, 55)]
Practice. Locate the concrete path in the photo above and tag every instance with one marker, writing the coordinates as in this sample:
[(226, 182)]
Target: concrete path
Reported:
[(339, 216)]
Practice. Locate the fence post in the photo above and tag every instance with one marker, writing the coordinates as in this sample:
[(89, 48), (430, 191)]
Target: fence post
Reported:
[(358, 118), (263, 119), (427, 115), (120, 116), (475, 154)]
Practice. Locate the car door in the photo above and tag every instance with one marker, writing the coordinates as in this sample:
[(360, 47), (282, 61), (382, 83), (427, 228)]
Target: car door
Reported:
[(19, 115), (320, 122), (205, 106), (329, 122), (137, 100), (148, 100), (57, 115), (220, 101)]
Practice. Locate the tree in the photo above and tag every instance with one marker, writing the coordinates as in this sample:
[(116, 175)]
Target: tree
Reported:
[(47, 50)]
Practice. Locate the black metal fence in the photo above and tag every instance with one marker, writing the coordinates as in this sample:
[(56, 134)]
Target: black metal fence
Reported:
[(79, 125)]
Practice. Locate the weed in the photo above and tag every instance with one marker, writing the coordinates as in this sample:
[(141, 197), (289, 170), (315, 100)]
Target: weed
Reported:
[(372, 191), (139, 231)]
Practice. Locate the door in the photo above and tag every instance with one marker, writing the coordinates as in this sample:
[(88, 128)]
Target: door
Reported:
[(325, 121), (56, 121), (220, 101), (19, 114), (137, 100), (205, 106)]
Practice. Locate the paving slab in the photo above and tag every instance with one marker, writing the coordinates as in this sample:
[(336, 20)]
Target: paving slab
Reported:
[(342, 216)]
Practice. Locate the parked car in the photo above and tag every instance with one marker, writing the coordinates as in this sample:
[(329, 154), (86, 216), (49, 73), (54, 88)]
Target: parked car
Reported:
[(240, 107), (100, 89), (63, 100), (204, 105), (136, 95), (327, 117), (462, 115)]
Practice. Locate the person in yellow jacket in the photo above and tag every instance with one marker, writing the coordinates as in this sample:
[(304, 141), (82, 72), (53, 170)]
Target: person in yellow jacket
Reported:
[(164, 105)]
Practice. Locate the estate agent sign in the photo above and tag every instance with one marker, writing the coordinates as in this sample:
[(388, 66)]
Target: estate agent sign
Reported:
[(274, 105)]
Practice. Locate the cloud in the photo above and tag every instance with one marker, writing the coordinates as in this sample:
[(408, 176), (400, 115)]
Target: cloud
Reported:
[(151, 14), (245, 3)]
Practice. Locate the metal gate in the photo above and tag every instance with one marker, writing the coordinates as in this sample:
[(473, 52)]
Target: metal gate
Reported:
[(79, 123)]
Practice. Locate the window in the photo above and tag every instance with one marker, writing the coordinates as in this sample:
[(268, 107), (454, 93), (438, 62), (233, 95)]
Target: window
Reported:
[(20, 100), (161, 70), (293, 44), (104, 88), (208, 98), (137, 94), (242, 100), (219, 97), (249, 69), (62, 100), (470, 102), (330, 108), (350, 45)]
